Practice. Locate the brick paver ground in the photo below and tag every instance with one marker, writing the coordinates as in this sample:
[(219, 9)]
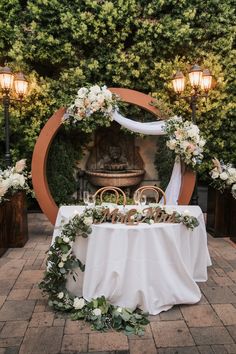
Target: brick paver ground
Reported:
[(28, 325)]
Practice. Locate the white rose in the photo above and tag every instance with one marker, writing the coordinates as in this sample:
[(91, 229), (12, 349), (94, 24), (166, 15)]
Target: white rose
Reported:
[(20, 165), (107, 94), (230, 181), (64, 257), (97, 312), (214, 174), (119, 309), (95, 89), (61, 264), (169, 211), (4, 185), (60, 295), (17, 180), (66, 239), (171, 144), (232, 171), (82, 92), (224, 176), (186, 212), (78, 303), (202, 142), (88, 220), (92, 97)]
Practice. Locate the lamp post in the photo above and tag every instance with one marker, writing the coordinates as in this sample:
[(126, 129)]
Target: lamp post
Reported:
[(201, 83), (8, 83)]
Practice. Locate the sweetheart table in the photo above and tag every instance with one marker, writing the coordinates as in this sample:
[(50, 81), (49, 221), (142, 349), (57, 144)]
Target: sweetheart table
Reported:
[(152, 267)]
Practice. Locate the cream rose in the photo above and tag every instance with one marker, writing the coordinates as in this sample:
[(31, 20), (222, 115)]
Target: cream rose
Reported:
[(78, 303), (97, 312), (224, 176)]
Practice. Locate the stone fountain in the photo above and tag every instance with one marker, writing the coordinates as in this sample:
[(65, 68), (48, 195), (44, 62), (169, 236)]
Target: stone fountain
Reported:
[(114, 160)]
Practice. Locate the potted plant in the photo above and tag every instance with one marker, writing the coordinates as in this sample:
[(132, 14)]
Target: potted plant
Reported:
[(13, 225), (221, 208)]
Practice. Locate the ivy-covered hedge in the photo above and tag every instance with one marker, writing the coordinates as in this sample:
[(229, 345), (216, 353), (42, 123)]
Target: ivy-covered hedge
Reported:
[(62, 45)]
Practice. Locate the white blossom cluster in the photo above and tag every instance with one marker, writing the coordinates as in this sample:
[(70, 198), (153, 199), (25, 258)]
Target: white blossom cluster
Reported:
[(224, 176), (185, 140), (13, 179), (91, 100)]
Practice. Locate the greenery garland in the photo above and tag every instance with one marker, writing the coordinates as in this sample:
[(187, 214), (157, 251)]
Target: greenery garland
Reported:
[(62, 262)]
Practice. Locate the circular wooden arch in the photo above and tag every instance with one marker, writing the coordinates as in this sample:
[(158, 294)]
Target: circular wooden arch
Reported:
[(47, 134)]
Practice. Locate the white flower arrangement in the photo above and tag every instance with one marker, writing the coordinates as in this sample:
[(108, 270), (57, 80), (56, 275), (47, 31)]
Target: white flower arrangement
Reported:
[(13, 179), (185, 140), (89, 101), (223, 176)]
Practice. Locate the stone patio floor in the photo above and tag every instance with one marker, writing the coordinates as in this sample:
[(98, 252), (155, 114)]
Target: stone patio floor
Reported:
[(28, 325)]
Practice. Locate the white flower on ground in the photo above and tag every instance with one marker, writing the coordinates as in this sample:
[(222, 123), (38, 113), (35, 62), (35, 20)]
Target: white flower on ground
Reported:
[(20, 165), (78, 303), (97, 312), (60, 295), (61, 265)]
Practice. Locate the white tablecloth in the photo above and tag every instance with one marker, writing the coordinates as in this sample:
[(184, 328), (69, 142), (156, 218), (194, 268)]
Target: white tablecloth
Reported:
[(152, 267)]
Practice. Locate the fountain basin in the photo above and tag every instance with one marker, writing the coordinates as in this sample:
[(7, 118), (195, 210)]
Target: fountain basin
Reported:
[(126, 178)]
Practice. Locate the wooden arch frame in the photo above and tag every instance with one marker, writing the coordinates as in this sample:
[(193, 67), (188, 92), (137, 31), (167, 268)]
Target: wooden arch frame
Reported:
[(47, 134)]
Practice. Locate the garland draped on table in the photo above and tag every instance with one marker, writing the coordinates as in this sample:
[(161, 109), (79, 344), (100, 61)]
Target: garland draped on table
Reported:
[(61, 262)]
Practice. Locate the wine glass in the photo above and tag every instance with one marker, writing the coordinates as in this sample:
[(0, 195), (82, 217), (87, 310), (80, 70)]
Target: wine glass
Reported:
[(86, 197), (136, 198), (143, 200), (91, 201)]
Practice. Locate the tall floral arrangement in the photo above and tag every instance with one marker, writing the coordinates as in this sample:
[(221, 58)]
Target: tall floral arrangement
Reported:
[(92, 102), (185, 140), (13, 179), (223, 176)]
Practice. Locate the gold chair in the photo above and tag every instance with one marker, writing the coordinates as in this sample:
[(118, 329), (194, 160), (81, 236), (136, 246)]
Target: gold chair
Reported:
[(117, 191), (159, 193)]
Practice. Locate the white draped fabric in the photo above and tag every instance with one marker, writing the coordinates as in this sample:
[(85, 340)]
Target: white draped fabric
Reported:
[(150, 128), (155, 128), (150, 266)]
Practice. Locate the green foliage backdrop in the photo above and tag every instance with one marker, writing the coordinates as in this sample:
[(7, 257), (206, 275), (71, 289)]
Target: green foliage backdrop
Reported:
[(138, 44)]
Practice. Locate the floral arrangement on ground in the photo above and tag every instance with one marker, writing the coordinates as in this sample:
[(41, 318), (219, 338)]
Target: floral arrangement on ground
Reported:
[(14, 179), (223, 176), (61, 262), (185, 140)]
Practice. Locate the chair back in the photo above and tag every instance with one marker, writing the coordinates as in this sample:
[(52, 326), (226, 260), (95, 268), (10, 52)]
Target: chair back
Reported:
[(117, 191), (159, 193)]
